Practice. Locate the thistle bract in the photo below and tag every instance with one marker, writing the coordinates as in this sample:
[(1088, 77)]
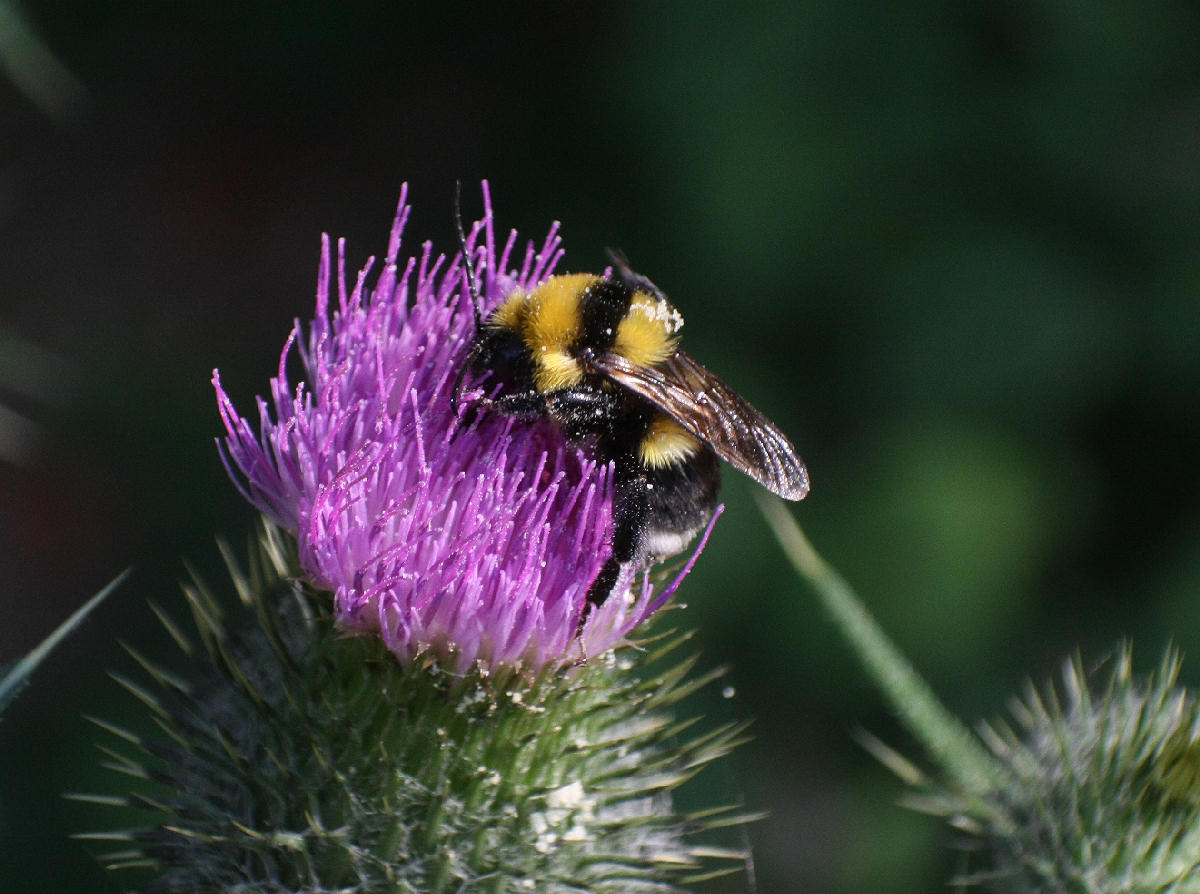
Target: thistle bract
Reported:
[(291, 759), (474, 542)]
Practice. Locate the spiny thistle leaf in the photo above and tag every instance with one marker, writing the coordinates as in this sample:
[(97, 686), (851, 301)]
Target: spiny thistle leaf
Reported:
[(15, 677), (298, 759)]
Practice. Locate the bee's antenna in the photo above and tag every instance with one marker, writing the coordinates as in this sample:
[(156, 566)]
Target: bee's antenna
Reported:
[(473, 288), (472, 281)]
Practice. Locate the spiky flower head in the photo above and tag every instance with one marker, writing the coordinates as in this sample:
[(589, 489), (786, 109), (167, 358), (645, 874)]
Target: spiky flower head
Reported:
[(476, 543), (1106, 795), (292, 759), (1096, 788)]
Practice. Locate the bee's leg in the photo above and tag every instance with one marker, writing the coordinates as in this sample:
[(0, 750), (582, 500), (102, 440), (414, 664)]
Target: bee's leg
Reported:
[(522, 405), (582, 409), (602, 586), (469, 415), (456, 388), (529, 404), (631, 505)]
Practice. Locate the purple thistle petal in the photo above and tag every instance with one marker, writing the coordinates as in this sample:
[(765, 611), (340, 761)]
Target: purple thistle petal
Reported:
[(474, 543)]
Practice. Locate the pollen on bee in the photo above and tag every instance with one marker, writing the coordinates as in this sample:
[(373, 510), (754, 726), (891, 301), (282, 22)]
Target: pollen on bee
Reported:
[(646, 335)]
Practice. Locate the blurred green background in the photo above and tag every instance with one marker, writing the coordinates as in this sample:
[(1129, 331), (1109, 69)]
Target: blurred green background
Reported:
[(952, 249)]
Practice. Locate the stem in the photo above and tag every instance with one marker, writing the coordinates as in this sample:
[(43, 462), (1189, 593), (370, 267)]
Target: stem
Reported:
[(949, 743)]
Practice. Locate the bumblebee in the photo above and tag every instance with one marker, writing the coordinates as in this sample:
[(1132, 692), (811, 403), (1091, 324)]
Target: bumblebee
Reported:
[(598, 356)]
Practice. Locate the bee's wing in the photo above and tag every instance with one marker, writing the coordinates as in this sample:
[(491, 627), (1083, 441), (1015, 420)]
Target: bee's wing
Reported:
[(715, 414), (634, 281)]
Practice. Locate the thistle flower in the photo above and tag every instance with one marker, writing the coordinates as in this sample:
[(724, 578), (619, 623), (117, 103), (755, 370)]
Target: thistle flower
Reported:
[(296, 760), (476, 543)]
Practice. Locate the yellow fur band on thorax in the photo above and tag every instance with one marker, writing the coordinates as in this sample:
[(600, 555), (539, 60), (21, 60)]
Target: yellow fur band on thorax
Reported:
[(549, 320), (551, 325)]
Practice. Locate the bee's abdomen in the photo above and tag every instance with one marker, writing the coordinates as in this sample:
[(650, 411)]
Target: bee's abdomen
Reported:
[(665, 443), (682, 498)]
